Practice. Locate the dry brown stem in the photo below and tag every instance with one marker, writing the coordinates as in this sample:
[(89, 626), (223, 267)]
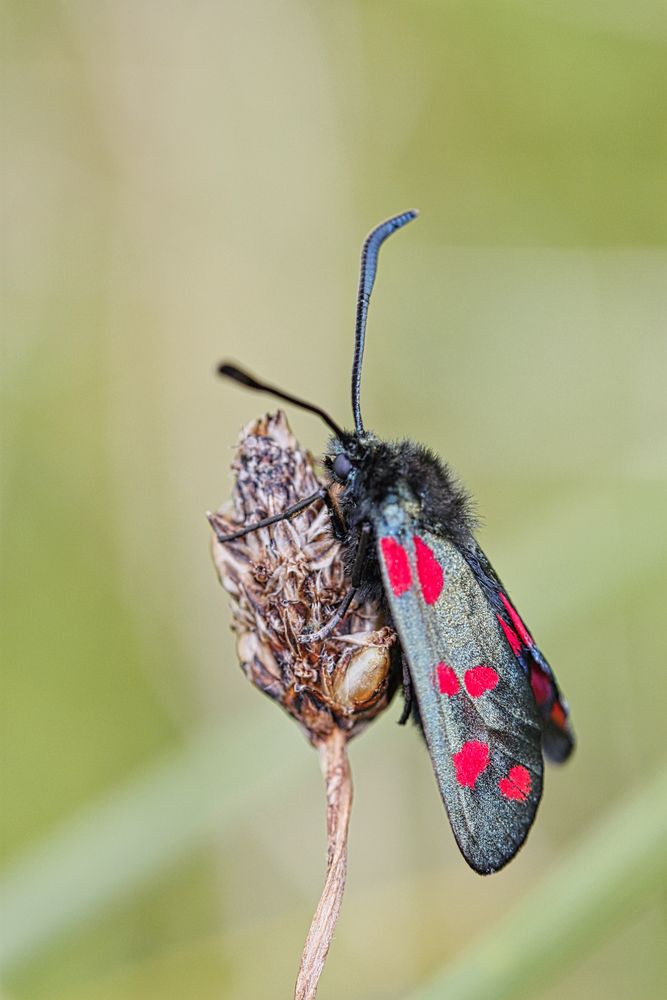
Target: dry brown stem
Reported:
[(338, 781)]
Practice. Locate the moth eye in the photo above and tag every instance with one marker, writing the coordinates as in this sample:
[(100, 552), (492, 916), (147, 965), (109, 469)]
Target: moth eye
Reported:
[(342, 466)]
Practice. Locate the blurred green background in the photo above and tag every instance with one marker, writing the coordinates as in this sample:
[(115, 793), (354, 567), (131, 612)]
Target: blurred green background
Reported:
[(183, 182)]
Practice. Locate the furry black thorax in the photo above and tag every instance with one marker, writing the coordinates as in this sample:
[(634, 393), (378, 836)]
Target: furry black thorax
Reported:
[(409, 471)]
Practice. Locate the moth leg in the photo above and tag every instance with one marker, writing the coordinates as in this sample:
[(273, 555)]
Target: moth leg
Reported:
[(341, 610), (265, 522), (410, 703), (360, 557), (326, 630), (338, 526), (408, 696)]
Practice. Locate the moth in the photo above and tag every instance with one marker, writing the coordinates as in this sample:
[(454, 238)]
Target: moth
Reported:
[(474, 679)]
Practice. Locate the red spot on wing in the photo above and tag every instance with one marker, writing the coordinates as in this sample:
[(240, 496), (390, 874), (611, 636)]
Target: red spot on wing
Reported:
[(511, 636), (519, 627), (448, 682), (541, 686), (480, 679), (398, 567), (470, 761), (516, 785), (558, 716), (429, 571)]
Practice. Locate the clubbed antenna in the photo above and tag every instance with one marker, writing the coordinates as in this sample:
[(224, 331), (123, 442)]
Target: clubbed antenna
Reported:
[(250, 382), (369, 260)]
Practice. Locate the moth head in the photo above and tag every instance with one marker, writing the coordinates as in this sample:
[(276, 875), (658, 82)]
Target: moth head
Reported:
[(342, 467), (341, 459)]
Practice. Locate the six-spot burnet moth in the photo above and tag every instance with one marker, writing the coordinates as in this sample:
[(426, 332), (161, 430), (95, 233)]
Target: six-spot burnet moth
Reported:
[(473, 677)]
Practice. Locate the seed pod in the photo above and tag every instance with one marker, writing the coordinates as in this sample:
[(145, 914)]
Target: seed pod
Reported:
[(287, 579)]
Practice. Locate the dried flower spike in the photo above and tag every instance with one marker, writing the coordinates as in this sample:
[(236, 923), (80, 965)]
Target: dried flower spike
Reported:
[(284, 580), (288, 579)]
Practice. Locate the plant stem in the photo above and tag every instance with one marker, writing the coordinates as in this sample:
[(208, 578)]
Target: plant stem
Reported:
[(338, 781)]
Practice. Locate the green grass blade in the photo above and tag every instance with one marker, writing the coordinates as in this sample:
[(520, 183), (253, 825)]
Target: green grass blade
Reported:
[(621, 861), (120, 843)]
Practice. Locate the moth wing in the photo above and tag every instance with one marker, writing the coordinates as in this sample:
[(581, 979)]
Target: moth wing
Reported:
[(557, 736), (477, 709)]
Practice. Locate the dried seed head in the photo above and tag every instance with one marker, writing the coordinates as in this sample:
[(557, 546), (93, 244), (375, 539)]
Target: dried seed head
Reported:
[(289, 578)]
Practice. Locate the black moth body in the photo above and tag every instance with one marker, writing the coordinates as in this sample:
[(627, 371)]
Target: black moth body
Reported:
[(474, 679)]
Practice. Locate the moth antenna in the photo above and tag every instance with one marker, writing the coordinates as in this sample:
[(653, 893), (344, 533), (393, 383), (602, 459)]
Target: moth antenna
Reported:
[(369, 260), (250, 382)]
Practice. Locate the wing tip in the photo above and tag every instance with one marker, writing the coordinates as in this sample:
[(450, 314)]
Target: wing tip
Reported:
[(558, 744)]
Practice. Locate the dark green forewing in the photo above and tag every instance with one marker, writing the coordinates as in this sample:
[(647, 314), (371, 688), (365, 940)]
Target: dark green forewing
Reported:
[(477, 709)]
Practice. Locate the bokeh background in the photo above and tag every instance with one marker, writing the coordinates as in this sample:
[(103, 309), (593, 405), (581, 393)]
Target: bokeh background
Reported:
[(189, 181)]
